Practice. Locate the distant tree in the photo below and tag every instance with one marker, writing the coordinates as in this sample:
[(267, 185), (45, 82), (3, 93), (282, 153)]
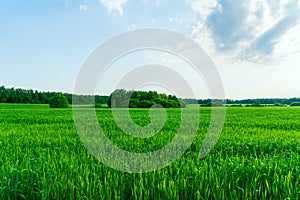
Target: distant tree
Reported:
[(43, 98), (279, 104), (146, 104), (162, 102), (133, 103), (152, 95), (173, 104), (173, 97), (12, 96), (58, 101), (143, 95), (119, 98), (190, 101), (142, 99), (3, 94), (295, 104), (101, 99), (256, 103), (182, 103), (136, 95)]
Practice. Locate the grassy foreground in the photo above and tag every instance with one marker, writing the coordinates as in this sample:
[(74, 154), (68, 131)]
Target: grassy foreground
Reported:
[(256, 157)]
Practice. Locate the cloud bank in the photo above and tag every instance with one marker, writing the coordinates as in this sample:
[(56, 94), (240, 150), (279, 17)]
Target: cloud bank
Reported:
[(244, 30)]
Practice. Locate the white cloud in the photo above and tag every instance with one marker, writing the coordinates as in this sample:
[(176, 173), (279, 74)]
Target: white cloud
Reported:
[(204, 8), (175, 20), (289, 45), (244, 30), (113, 5), (203, 36), (83, 8)]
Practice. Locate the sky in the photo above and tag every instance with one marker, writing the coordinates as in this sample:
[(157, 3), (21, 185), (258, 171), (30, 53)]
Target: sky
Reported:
[(255, 45)]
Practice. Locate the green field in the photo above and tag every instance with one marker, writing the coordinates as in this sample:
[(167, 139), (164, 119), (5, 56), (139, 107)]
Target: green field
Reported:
[(23, 106), (256, 157)]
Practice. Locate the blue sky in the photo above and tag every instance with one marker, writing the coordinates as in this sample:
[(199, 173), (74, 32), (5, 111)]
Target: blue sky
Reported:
[(254, 44)]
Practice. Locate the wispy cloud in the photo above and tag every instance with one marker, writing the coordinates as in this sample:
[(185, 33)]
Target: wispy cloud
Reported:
[(158, 2), (204, 8), (244, 30), (113, 5), (83, 8), (174, 20)]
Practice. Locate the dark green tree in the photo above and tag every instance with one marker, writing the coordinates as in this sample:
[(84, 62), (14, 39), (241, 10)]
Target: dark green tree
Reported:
[(295, 104), (133, 103), (119, 98), (58, 101), (146, 104)]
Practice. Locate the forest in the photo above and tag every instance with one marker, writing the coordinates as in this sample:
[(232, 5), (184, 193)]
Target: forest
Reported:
[(18, 95), (252, 102), (121, 98)]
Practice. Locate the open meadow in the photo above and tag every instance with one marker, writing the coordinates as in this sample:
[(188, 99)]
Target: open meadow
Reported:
[(256, 157)]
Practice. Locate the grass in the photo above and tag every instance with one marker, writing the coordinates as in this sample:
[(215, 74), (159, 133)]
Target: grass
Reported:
[(23, 106), (256, 157)]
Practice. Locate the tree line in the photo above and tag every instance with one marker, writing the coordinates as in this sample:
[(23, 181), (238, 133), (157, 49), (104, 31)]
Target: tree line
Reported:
[(121, 98), (17, 95), (254, 102), (138, 99)]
